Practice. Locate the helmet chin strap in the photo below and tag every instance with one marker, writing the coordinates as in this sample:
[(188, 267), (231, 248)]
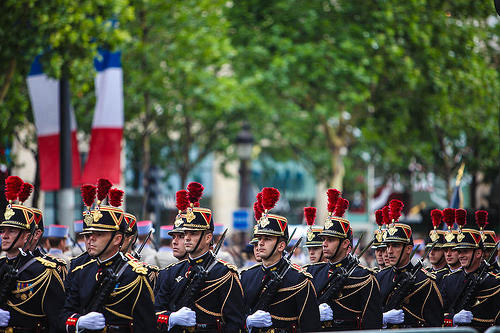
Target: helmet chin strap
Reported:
[(471, 259), (274, 249), (442, 260), (198, 243), (321, 256), (400, 256), (107, 244), (15, 241)]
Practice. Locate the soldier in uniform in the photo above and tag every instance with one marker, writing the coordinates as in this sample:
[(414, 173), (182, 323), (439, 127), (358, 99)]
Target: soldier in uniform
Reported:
[(148, 253), (490, 246), (313, 243), (29, 299), (422, 304), (436, 256), (482, 310), (79, 241), (200, 293), (129, 305), (292, 307), (165, 255), (378, 246), (57, 236), (357, 304)]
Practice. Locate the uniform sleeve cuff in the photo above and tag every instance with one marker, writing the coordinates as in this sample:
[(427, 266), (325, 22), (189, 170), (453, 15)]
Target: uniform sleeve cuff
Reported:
[(448, 320), (71, 323), (162, 320)]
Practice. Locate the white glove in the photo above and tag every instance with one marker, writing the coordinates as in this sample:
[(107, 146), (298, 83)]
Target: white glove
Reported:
[(463, 317), (184, 317), (325, 312), (259, 319), (4, 318), (393, 317), (91, 321)]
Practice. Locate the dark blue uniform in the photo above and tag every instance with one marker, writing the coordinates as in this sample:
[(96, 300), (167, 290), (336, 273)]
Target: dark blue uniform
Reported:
[(485, 302), (439, 274), (423, 306), (61, 268), (35, 301), (129, 307), (358, 306), (218, 306), (293, 307)]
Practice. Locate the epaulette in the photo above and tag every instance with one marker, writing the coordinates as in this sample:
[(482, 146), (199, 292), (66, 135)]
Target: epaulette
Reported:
[(83, 265), (313, 263), (152, 267), (228, 265), (431, 275), (383, 269), (46, 263), (57, 260), (78, 256), (138, 267), (369, 269), (451, 273), (251, 267)]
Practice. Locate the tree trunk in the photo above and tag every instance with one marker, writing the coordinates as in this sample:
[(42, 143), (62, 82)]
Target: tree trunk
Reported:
[(8, 79), (146, 164), (338, 169)]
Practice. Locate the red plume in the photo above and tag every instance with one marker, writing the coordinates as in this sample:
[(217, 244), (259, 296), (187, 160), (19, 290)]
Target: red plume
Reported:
[(482, 218), (461, 217), (257, 210), (103, 186), (333, 196), (270, 197), (387, 215), (396, 206), (195, 192), (379, 217), (449, 217), (12, 187), (88, 194), (341, 207), (115, 197), (436, 216), (181, 200), (25, 192), (259, 200), (310, 214)]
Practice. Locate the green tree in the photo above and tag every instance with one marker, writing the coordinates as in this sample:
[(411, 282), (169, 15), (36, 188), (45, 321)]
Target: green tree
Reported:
[(389, 78), (182, 99)]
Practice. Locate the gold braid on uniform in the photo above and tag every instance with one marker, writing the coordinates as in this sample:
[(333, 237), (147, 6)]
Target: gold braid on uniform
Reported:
[(34, 287), (432, 286), (214, 285), (134, 290), (369, 280)]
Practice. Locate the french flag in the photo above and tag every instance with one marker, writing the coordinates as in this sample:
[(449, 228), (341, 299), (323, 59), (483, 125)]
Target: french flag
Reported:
[(44, 96), (107, 125)]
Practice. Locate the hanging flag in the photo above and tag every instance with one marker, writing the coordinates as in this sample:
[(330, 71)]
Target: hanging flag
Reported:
[(107, 125), (44, 96)]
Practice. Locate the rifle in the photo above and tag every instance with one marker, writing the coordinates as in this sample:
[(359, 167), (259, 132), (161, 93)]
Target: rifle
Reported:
[(196, 279), (10, 273), (137, 254), (76, 243), (336, 282), (406, 283), (270, 287), (107, 283), (464, 299)]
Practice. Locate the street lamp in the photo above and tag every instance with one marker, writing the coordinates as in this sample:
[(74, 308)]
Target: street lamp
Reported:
[(244, 145)]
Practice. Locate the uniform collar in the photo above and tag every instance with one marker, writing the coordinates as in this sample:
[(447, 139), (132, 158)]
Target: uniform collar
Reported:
[(271, 268), (201, 259), (108, 262), (403, 269), (341, 263)]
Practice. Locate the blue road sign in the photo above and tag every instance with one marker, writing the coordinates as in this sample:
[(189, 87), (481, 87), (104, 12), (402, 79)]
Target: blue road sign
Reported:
[(240, 219)]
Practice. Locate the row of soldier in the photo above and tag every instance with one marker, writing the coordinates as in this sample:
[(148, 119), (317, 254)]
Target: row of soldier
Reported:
[(108, 288)]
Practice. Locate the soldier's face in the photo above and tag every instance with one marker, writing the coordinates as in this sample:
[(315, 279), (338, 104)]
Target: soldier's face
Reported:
[(98, 240), (178, 248), (451, 256), (398, 253), (9, 235), (256, 252), (191, 239), (315, 253), (266, 244), (469, 258), (436, 255), (379, 255), (334, 248)]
